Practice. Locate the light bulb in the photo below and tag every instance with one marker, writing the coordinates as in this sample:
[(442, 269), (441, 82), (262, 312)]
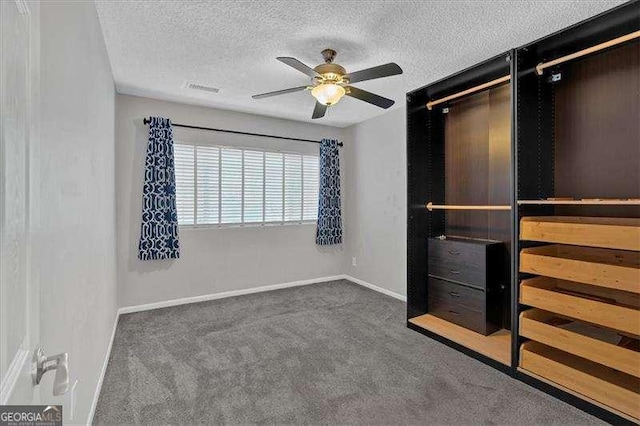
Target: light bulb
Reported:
[(328, 93)]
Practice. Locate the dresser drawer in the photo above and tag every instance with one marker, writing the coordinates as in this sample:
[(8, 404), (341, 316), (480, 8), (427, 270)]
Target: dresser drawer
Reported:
[(456, 303), (466, 274), (464, 298), (461, 260), (456, 252)]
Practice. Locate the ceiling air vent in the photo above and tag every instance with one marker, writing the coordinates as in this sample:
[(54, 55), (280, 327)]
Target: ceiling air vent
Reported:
[(201, 87)]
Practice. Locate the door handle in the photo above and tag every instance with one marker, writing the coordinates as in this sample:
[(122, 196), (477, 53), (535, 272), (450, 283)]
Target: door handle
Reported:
[(454, 312), (60, 363), (454, 252), (454, 271), (454, 294)]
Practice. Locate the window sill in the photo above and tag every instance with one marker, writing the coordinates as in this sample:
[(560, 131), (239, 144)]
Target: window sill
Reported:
[(244, 225)]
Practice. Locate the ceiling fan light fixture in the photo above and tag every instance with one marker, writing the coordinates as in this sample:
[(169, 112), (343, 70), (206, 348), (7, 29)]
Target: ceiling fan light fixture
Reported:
[(328, 93)]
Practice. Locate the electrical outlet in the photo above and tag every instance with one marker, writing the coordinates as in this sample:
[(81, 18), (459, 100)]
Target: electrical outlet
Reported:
[(353, 261)]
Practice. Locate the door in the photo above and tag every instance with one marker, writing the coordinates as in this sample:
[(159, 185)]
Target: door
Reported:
[(19, 294)]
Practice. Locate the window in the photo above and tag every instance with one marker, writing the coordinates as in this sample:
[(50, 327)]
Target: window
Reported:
[(218, 185)]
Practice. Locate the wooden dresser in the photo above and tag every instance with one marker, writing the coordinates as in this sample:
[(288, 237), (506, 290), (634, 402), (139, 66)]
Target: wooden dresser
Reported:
[(464, 277)]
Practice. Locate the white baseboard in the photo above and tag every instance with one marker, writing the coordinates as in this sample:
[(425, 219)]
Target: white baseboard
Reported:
[(376, 288), (225, 294), (103, 371), (232, 293)]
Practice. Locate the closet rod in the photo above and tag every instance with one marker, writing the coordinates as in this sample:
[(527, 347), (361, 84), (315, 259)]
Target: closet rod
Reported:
[(478, 88), (186, 126), (542, 65), (431, 207)]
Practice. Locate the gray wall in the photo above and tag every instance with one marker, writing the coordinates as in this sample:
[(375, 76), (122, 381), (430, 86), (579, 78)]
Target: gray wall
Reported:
[(376, 215), (73, 244), (213, 260)]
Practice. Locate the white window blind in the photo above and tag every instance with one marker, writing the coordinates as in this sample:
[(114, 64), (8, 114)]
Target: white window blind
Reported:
[(311, 182), (273, 186), (292, 187), (184, 164), (253, 199), (208, 184), (226, 186), (230, 185)]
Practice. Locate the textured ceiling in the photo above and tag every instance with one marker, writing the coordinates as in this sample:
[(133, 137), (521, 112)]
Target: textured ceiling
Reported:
[(155, 46)]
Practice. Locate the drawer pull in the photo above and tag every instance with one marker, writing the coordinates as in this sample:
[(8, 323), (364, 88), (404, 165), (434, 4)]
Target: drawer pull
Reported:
[(454, 252), (454, 294), (454, 271), (453, 312)]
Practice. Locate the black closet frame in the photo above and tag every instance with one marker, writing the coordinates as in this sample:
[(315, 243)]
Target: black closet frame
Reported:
[(422, 224), (431, 183)]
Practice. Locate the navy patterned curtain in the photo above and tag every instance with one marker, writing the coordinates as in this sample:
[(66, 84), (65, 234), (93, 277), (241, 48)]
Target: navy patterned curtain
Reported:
[(329, 229), (159, 230)]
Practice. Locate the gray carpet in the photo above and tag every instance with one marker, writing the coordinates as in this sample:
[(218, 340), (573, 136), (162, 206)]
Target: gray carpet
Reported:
[(332, 353)]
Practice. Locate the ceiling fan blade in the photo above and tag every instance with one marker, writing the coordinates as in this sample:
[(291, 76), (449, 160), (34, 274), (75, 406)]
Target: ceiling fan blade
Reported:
[(279, 92), (294, 63), (319, 110), (380, 71), (372, 98)]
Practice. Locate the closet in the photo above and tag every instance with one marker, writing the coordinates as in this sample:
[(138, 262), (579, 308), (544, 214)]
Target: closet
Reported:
[(523, 227), (459, 227), (578, 210)]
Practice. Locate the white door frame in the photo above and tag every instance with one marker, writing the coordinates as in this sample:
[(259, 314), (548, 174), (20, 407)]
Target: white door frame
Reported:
[(20, 290)]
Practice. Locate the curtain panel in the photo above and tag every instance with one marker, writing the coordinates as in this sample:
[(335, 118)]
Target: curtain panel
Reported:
[(329, 230), (159, 229)]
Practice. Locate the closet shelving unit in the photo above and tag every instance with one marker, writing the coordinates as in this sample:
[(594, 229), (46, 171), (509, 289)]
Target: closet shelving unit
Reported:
[(459, 137), (571, 324), (577, 212)]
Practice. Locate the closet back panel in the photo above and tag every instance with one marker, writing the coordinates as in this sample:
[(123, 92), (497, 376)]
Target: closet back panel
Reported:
[(477, 163), (477, 145), (597, 130)]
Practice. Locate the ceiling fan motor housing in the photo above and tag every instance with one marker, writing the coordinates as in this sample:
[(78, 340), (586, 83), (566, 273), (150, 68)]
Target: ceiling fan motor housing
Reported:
[(331, 73)]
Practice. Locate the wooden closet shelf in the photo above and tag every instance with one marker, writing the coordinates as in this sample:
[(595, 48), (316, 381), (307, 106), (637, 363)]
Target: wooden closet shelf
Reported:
[(604, 232), (549, 328), (431, 207), (617, 311), (496, 346), (589, 202), (616, 269), (609, 387)]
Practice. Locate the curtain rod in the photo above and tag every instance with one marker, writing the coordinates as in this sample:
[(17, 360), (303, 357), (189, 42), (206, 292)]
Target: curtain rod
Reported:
[(542, 65), (474, 89), (186, 126)]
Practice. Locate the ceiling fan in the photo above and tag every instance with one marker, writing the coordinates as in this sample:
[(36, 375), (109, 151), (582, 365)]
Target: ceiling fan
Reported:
[(330, 82)]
